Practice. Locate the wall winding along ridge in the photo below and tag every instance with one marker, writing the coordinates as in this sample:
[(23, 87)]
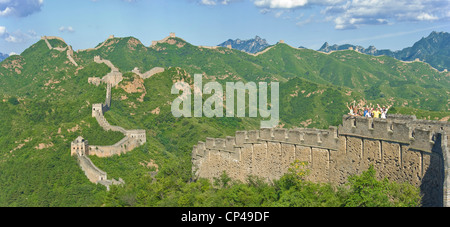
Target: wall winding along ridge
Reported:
[(68, 48), (133, 138), (400, 148)]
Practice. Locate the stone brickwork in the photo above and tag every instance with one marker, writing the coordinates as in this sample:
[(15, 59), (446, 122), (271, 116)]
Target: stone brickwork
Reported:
[(400, 148)]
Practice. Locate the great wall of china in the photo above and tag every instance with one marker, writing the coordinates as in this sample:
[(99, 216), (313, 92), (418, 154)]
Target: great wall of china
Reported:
[(132, 138), (99, 46), (400, 148), (68, 47)]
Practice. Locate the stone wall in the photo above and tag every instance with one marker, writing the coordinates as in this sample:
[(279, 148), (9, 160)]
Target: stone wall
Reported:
[(400, 148), (100, 46), (149, 73), (96, 175), (68, 48), (113, 78), (132, 138), (128, 143), (93, 173), (80, 148)]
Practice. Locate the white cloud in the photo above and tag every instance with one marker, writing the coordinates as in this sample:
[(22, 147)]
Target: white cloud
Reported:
[(279, 13), (351, 14), (216, 2), (281, 4), (292, 4), (66, 29), (2, 30), (208, 2), (122, 0), (426, 16), (5, 12), (17, 36), (356, 13), (306, 21), (12, 39), (20, 8)]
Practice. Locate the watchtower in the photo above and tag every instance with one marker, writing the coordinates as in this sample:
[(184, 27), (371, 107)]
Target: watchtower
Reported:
[(80, 147), (97, 109)]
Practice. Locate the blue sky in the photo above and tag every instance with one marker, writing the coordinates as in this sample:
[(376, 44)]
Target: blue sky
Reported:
[(386, 24)]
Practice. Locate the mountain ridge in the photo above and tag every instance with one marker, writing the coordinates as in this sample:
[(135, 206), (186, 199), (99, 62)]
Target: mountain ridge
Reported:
[(433, 49), (285, 62)]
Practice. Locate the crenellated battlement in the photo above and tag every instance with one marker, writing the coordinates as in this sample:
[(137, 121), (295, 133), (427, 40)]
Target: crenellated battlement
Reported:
[(401, 148), (419, 134), (323, 139)]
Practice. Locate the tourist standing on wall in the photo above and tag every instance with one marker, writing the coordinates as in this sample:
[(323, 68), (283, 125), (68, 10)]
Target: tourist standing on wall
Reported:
[(350, 108), (384, 111), (376, 113)]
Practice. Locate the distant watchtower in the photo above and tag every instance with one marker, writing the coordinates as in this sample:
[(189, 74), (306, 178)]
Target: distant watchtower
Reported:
[(172, 35), (79, 147)]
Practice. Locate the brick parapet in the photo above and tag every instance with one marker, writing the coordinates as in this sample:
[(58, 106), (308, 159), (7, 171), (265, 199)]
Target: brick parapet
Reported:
[(402, 148)]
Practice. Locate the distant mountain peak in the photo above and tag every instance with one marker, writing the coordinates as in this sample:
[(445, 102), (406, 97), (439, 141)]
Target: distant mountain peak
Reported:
[(3, 56), (325, 47), (254, 45)]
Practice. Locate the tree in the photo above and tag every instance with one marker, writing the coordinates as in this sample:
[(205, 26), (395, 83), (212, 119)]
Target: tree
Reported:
[(367, 191), (13, 101)]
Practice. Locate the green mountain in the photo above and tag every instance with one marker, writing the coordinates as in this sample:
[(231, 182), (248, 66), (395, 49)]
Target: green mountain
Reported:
[(46, 101), (433, 49)]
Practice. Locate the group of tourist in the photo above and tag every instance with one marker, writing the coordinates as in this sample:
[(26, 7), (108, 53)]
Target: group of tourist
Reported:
[(368, 110)]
